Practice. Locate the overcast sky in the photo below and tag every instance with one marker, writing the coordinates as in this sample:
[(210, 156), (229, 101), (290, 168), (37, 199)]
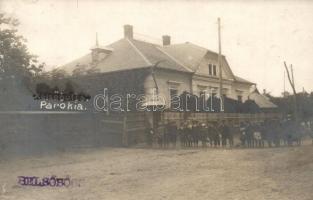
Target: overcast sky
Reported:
[(257, 36)]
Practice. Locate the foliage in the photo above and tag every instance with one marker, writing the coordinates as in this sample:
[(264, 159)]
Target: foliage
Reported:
[(193, 103), (15, 59), (305, 105)]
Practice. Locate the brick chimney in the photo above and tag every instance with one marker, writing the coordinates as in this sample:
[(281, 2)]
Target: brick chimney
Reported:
[(128, 31), (166, 40)]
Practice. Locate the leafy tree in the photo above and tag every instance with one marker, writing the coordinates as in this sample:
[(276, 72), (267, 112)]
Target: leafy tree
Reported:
[(15, 59), (42, 88), (92, 71), (69, 89), (58, 74), (79, 70), (305, 105)]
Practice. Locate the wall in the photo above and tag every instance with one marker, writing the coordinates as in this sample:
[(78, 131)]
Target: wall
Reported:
[(23, 134), (210, 58), (164, 79), (202, 78)]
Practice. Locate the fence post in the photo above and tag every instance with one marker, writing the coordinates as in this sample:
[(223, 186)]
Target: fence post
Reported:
[(125, 133)]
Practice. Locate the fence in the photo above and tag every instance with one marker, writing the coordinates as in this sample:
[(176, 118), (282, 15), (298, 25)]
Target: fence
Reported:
[(205, 117), (24, 132), (132, 126)]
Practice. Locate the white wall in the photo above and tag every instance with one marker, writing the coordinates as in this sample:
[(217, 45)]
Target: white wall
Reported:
[(164, 78)]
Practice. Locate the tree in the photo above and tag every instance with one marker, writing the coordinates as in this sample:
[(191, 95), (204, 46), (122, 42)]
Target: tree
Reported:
[(58, 74), (292, 84), (69, 89), (79, 70), (15, 59)]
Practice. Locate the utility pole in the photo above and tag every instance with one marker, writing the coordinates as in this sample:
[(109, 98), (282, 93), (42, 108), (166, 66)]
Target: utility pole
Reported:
[(292, 84), (284, 94), (219, 60)]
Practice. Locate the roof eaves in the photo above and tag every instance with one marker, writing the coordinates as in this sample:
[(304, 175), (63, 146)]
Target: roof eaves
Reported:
[(241, 80), (228, 67)]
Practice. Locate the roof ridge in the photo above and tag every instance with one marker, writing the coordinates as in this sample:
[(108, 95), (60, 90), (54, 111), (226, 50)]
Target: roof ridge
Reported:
[(150, 43), (139, 52), (199, 47)]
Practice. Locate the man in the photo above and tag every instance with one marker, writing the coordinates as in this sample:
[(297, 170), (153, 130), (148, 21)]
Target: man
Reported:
[(195, 133), (243, 136), (257, 137), (170, 134), (231, 130), (203, 134), (183, 134), (249, 135), (225, 133), (213, 134), (189, 134)]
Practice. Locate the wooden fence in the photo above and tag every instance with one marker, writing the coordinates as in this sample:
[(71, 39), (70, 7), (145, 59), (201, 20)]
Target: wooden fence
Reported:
[(205, 117), (36, 132), (132, 126)]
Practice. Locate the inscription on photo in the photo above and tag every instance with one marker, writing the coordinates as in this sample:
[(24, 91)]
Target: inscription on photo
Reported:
[(52, 181)]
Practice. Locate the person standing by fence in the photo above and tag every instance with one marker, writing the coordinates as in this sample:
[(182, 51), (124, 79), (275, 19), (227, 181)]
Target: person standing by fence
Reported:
[(243, 134), (225, 133)]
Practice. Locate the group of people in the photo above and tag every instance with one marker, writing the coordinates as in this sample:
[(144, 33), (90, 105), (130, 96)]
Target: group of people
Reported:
[(192, 133)]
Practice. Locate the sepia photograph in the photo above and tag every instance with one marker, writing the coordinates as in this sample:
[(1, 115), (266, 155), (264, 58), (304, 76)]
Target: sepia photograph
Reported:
[(156, 100)]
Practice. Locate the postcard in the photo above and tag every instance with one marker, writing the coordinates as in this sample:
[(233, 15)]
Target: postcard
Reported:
[(150, 100)]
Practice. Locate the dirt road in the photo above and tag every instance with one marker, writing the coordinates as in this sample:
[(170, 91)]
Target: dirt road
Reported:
[(146, 174)]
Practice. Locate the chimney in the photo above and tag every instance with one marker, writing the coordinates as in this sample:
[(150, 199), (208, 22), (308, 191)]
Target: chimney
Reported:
[(166, 40), (128, 31)]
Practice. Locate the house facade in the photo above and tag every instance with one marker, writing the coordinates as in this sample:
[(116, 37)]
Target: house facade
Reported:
[(169, 69)]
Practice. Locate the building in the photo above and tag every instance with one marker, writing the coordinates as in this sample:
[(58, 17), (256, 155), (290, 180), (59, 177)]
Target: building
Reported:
[(170, 69)]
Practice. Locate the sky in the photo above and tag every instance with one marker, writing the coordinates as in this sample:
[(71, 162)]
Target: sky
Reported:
[(257, 36)]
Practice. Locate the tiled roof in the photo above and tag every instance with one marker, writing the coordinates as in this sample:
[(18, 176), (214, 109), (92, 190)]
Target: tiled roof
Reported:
[(261, 100), (239, 79), (189, 54), (130, 54)]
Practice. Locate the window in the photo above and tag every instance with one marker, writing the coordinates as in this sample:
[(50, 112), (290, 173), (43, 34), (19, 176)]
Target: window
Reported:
[(214, 70), (210, 69), (173, 94)]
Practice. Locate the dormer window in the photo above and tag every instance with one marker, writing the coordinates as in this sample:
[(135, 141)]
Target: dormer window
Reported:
[(212, 70), (99, 52)]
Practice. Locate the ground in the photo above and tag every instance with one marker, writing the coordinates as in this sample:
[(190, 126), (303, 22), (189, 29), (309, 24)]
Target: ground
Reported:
[(154, 174)]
